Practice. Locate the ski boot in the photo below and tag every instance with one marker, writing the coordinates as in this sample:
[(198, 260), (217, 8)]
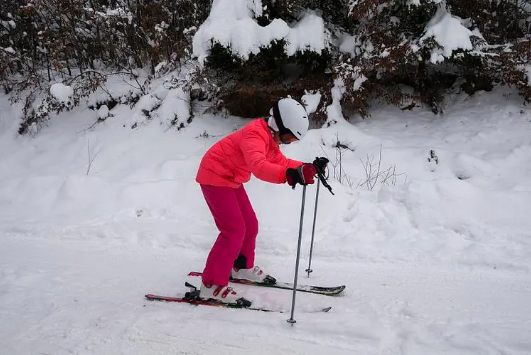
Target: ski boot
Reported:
[(255, 274)]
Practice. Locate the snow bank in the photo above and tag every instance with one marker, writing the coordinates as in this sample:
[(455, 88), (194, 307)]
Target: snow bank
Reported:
[(436, 262), (232, 24)]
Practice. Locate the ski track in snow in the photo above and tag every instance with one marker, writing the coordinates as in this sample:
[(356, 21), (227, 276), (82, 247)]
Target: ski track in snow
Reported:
[(436, 263), (72, 297)]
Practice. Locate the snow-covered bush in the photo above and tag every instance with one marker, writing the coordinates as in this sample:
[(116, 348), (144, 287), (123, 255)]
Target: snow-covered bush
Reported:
[(505, 27), (400, 51), (431, 46), (251, 52), (258, 52), (36, 113), (56, 98), (400, 44), (175, 110), (47, 41)]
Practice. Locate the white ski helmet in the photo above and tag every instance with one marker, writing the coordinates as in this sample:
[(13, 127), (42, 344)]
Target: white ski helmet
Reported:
[(289, 116)]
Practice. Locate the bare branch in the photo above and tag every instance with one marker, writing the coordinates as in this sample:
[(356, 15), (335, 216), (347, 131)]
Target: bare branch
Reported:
[(91, 157)]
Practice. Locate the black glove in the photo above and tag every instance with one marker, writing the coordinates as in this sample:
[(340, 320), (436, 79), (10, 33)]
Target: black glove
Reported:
[(320, 164), (302, 175)]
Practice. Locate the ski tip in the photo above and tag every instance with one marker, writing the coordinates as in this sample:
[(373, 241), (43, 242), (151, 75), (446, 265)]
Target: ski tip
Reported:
[(326, 309)]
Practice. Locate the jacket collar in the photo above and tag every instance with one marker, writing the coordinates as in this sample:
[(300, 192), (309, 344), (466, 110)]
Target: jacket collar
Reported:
[(266, 128)]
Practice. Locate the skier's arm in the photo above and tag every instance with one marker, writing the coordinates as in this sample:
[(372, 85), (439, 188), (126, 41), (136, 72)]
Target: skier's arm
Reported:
[(281, 159), (254, 150)]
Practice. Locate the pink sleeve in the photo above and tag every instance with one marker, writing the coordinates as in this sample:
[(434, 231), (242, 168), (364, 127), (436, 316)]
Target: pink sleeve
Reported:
[(254, 148), (281, 159)]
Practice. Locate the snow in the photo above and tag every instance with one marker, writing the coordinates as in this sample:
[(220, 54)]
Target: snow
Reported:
[(311, 101), (448, 31), (8, 24), (175, 107), (435, 256), (433, 243), (143, 109), (62, 93), (9, 50), (349, 44), (308, 34), (360, 79), (417, 2), (334, 111), (232, 25), (160, 66), (103, 112)]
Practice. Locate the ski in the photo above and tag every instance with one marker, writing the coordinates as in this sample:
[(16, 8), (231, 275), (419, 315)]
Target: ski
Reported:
[(327, 291), (192, 298), (203, 302)]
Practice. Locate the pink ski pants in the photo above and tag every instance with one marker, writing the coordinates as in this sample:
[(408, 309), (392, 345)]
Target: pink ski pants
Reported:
[(238, 228)]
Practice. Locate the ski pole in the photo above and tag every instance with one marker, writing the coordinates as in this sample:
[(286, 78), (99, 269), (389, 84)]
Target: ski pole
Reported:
[(291, 320), (322, 179), (309, 269)]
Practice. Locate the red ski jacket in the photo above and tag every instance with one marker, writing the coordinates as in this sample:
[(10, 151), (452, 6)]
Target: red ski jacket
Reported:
[(251, 149)]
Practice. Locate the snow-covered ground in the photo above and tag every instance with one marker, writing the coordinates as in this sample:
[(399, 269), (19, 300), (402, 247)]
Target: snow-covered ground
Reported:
[(436, 260)]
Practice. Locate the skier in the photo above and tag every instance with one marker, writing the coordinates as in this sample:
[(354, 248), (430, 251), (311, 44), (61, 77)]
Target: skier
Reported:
[(225, 167)]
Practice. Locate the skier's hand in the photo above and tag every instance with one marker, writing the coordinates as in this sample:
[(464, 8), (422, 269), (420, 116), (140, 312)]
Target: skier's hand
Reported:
[(302, 175), (320, 164)]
